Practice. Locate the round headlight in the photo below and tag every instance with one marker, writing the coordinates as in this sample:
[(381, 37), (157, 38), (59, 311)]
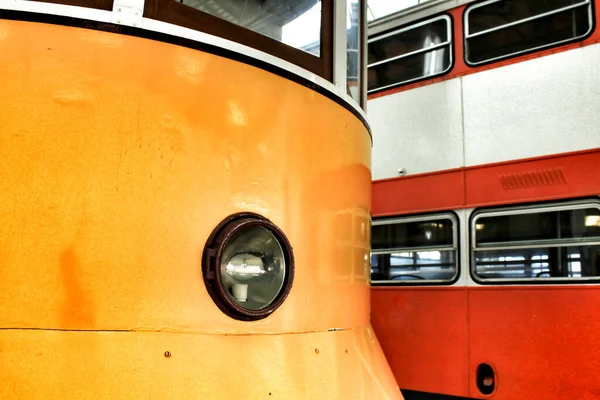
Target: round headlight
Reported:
[(248, 266)]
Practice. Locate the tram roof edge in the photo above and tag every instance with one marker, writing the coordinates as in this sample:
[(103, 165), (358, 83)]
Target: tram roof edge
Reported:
[(90, 18)]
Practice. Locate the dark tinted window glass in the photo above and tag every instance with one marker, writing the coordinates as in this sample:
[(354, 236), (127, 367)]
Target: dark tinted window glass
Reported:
[(417, 265), (412, 234), (537, 33), (408, 41), (504, 12), (510, 228), (565, 224), (543, 262), (580, 223), (410, 67)]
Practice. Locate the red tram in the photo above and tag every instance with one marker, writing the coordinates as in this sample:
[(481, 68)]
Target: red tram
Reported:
[(486, 208)]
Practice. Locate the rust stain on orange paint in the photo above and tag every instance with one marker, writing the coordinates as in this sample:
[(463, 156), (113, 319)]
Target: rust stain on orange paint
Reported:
[(77, 310)]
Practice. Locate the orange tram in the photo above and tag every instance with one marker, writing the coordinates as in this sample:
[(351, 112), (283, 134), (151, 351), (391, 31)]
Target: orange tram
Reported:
[(486, 198), (185, 201)]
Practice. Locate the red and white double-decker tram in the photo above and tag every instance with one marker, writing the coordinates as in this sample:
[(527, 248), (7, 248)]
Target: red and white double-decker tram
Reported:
[(486, 208)]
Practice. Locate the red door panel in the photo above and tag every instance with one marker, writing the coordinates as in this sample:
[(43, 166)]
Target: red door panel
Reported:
[(423, 333), (542, 341)]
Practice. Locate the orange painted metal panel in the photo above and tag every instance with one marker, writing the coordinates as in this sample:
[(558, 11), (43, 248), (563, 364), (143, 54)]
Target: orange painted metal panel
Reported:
[(118, 157), (541, 340), (123, 365), (116, 168), (424, 335)]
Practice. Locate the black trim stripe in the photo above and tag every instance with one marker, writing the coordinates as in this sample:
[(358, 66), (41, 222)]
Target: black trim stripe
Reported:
[(179, 41), (416, 395)]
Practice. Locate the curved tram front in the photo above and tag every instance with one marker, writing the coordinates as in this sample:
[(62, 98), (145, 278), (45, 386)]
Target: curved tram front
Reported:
[(185, 203)]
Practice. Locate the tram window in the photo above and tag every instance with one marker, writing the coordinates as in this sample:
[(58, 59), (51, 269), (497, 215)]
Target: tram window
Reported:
[(550, 242), (295, 23), (410, 53), (414, 250), (498, 29), (299, 31)]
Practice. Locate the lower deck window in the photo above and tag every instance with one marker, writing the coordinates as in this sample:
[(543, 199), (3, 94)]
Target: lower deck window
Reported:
[(414, 250), (549, 262), (549, 242), (417, 265)]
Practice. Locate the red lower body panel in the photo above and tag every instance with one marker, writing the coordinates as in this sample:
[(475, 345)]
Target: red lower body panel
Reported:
[(543, 342), (424, 335)]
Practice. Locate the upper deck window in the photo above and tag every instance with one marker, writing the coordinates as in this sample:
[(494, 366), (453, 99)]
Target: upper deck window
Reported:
[(545, 242), (414, 250), (410, 53), (497, 29), (299, 31)]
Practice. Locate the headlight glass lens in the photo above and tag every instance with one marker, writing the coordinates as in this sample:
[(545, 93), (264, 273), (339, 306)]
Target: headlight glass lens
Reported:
[(248, 266), (253, 267)]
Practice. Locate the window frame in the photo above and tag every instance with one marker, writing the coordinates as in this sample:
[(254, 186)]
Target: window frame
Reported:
[(405, 28), (419, 218), (173, 12), (364, 38), (520, 209), (362, 55), (467, 36)]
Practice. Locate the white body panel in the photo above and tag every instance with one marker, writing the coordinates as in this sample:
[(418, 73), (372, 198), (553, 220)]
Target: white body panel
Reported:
[(543, 106), (419, 130), (539, 107)]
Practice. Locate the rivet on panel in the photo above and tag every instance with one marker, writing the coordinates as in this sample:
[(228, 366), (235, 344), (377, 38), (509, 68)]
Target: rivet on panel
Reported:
[(167, 354), (317, 351)]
